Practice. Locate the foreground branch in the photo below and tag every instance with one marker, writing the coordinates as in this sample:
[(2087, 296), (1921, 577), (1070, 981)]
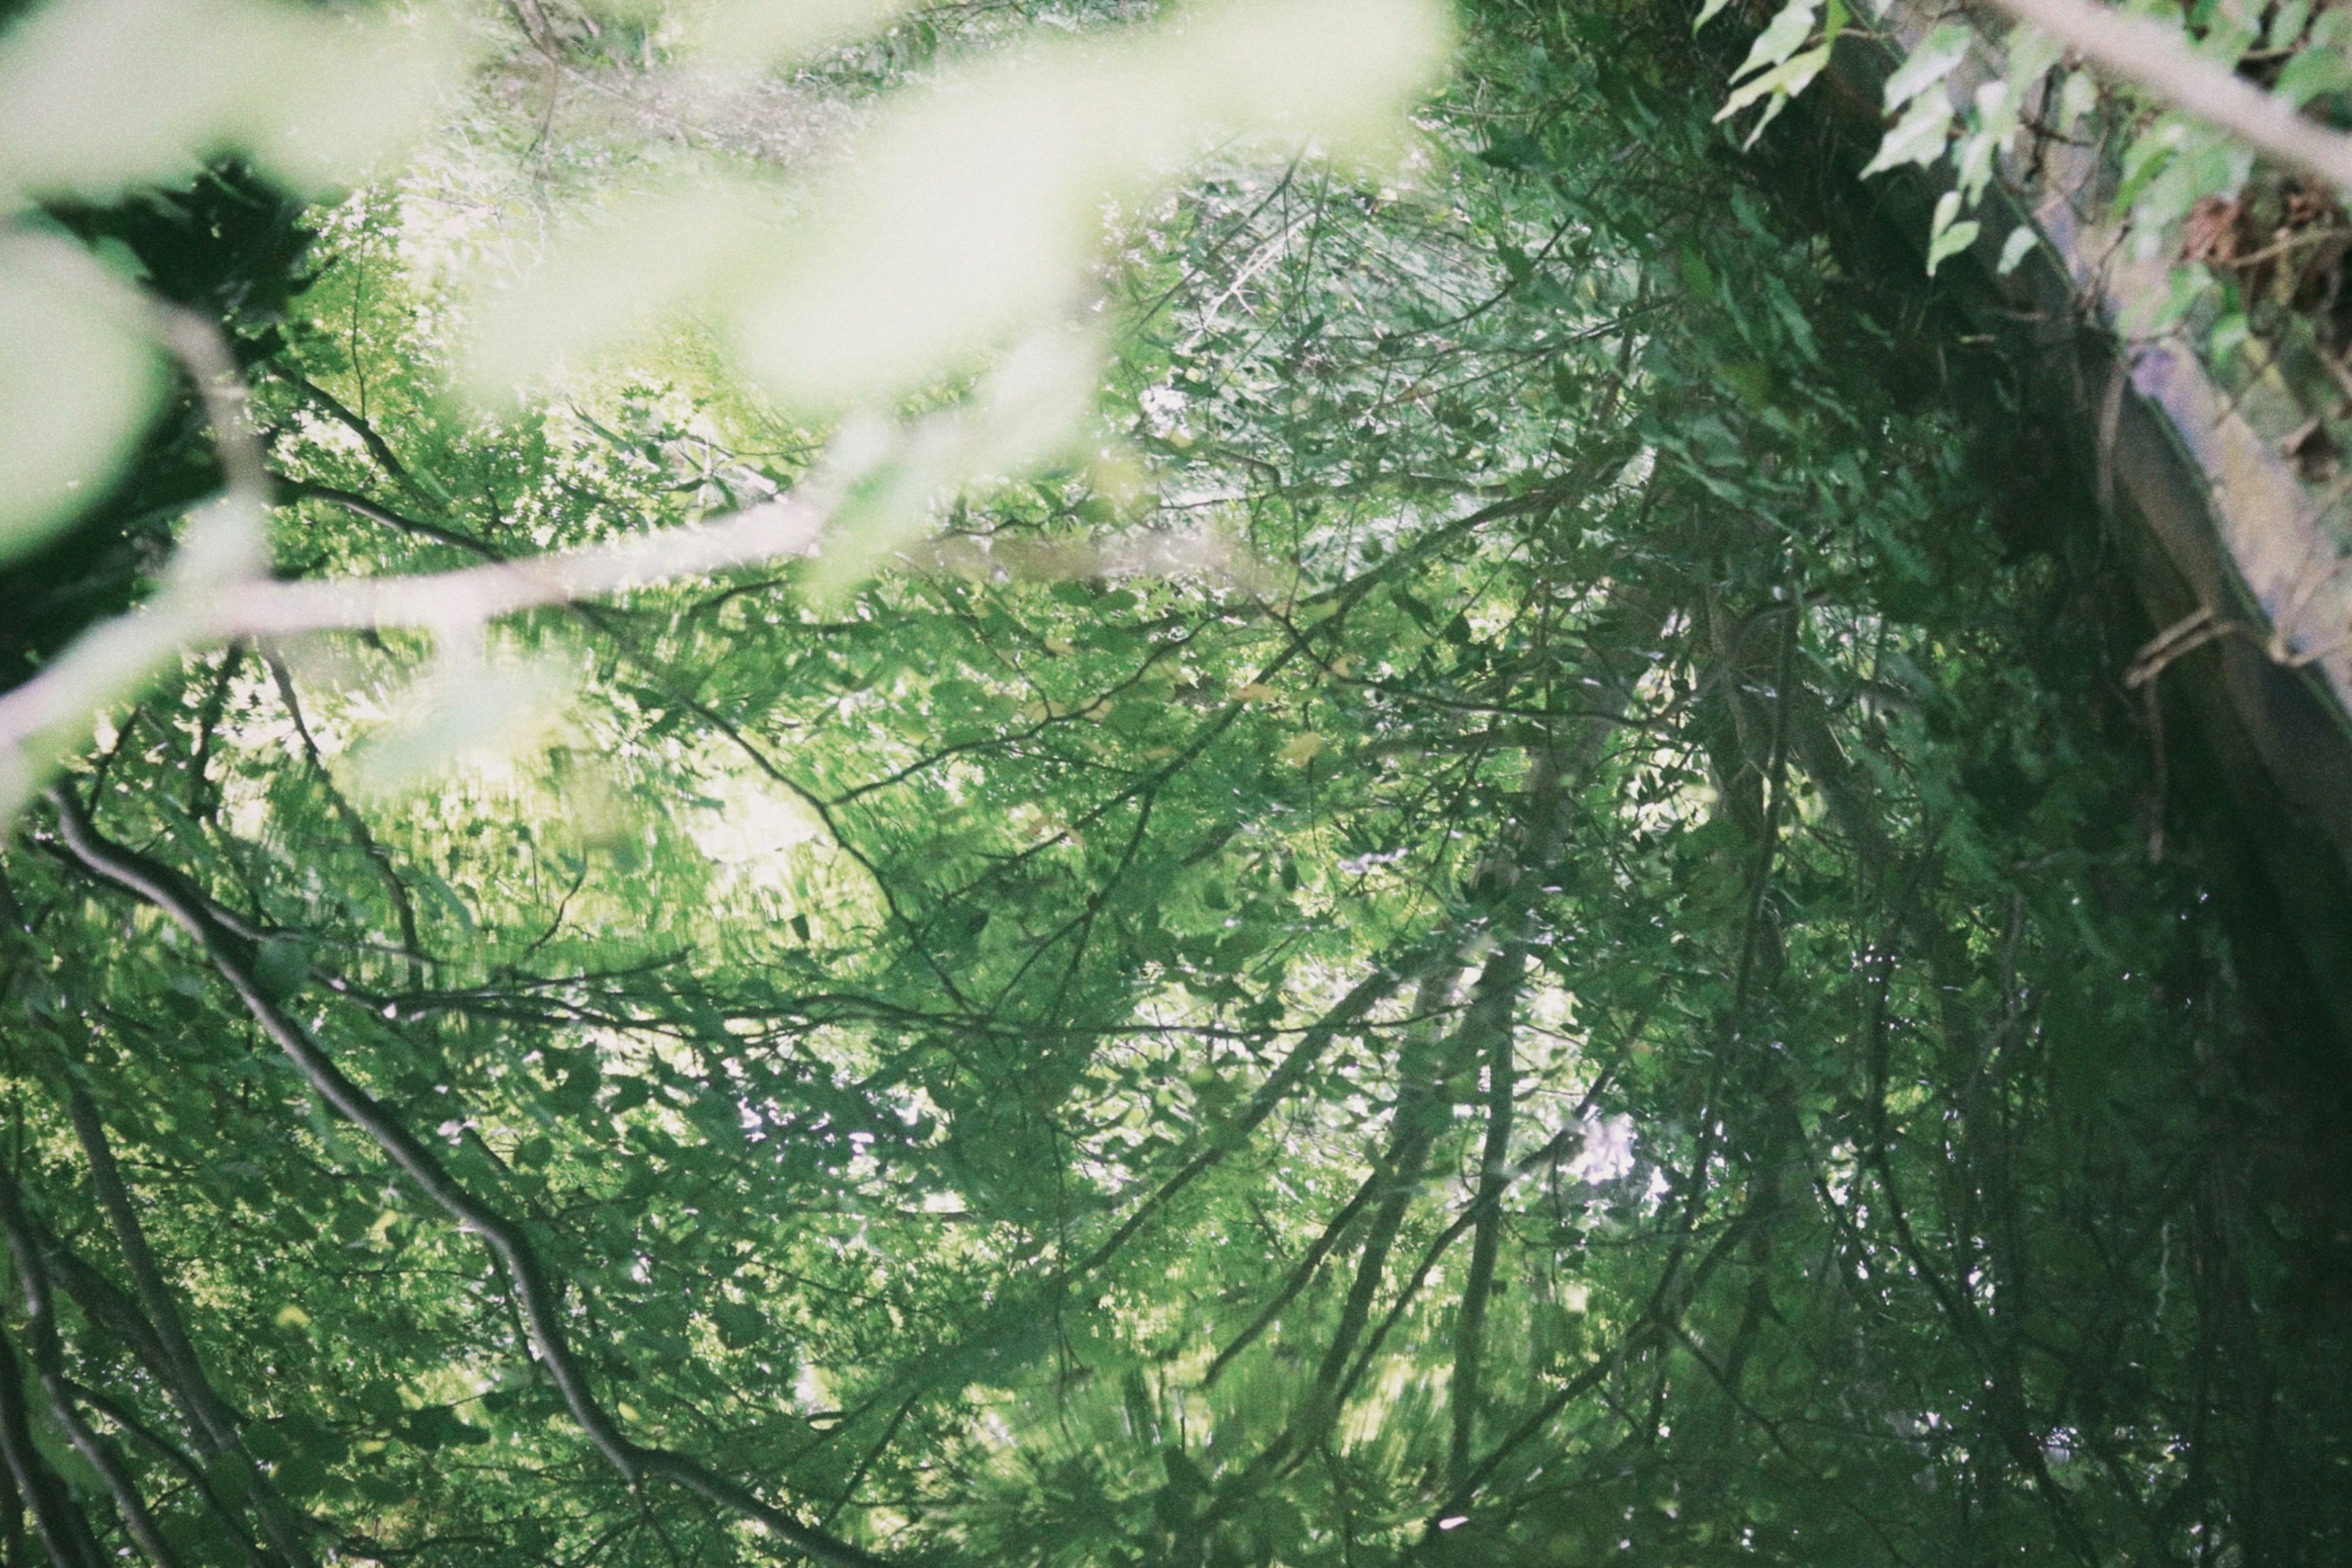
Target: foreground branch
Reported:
[(192, 614), (2158, 59)]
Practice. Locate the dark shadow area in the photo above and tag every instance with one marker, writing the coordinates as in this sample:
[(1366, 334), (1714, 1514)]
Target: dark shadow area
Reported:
[(2244, 759)]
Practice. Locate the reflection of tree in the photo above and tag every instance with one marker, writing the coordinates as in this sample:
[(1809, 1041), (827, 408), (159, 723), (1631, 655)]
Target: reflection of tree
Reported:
[(1592, 986)]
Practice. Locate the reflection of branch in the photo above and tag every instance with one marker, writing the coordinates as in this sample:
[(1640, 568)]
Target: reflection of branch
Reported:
[(535, 1291), (378, 448), (48, 1352), (2160, 59), (161, 1338)]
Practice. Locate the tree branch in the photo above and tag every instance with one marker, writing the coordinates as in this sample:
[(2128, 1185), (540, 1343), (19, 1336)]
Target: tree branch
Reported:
[(535, 1291), (1300, 1276), (1470, 1329), (173, 1354), (328, 404), (179, 1459), (2158, 59), (60, 1525), (49, 1366)]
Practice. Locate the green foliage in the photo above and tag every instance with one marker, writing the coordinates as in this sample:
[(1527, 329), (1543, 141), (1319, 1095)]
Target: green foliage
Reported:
[(1507, 930), (2173, 185)]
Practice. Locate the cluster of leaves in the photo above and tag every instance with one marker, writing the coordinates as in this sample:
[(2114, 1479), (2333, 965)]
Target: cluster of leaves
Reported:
[(2247, 253), (1592, 985)]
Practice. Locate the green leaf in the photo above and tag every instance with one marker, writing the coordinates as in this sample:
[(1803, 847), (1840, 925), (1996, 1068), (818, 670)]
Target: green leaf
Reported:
[(1698, 277), (281, 966), (2312, 73), (740, 1325)]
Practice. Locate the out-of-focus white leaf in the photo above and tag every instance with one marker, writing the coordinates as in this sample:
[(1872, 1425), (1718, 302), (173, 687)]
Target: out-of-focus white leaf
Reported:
[(2075, 100), (606, 283), (1032, 405), (1021, 416), (99, 95), (972, 211), (1930, 63), (225, 542), (467, 710), (77, 377), (751, 34), (2032, 53)]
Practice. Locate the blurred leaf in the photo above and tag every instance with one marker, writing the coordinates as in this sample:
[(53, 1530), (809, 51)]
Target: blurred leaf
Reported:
[(973, 210), (99, 95), (281, 966), (463, 712), (76, 380), (607, 280)]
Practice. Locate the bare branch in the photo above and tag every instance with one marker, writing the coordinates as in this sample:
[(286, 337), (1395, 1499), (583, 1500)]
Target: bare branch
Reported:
[(378, 448), (195, 612), (772, 532)]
